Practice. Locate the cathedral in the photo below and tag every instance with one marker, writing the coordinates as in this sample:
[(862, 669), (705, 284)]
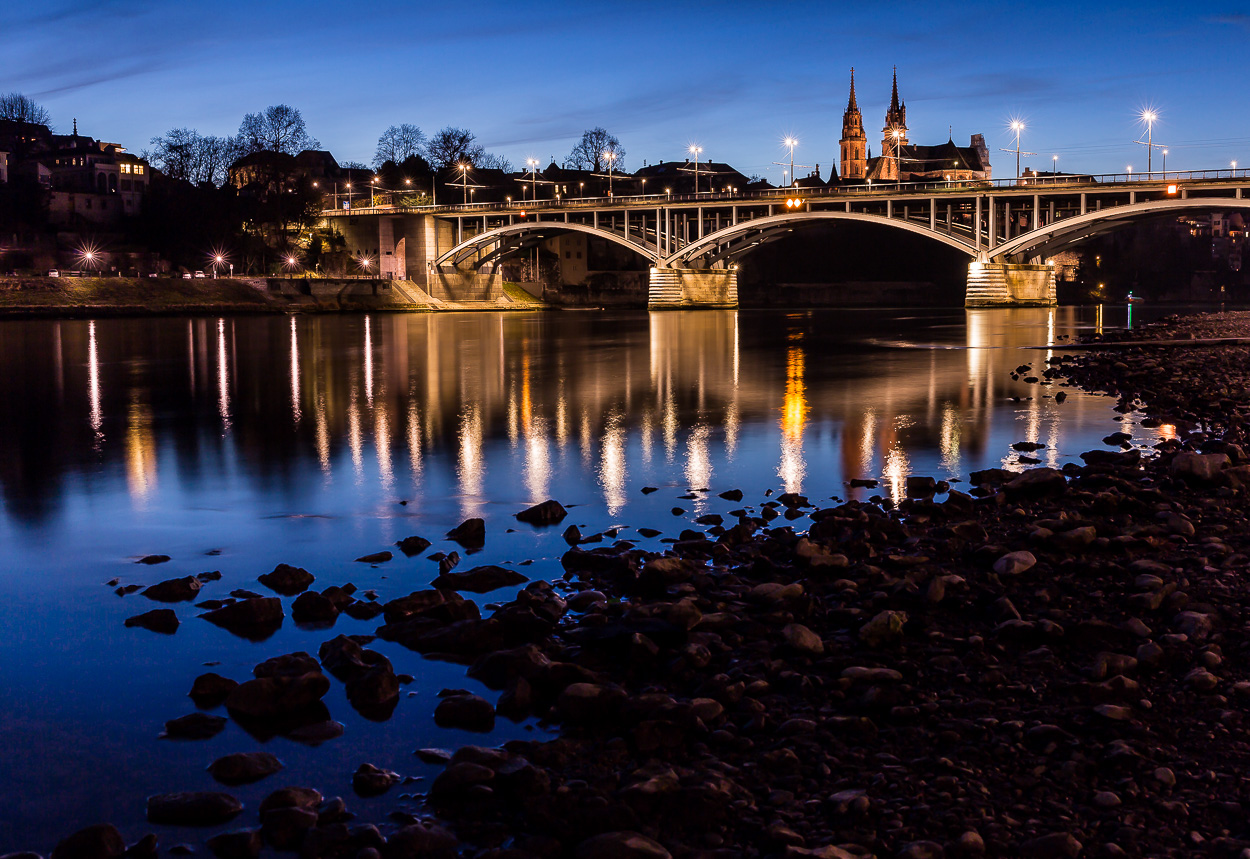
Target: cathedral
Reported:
[(900, 160)]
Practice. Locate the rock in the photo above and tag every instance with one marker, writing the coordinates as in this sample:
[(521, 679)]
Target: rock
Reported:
[(803, 639), (1200, 467), (292, 797), (311, 607), (375, 558), (101, 841), (276, 696), (884, 629), (239, 844), (370, 780), (471, 533), (195, 726), (1056, 845), (466, 712), (420, 840), (414, 545), (255, 618), (1015, 563), (153, 559), (480, 580), (918, 486), (287, 580), (1106, 799), (173, 590), (921, 850), (1037, 483), (621, 845), (1028, 446), (285, 828), (971, 843), (244, 767), (732, 495), (210, 690), (549, 512), (1194, 624), (204, 808), (162, 620)]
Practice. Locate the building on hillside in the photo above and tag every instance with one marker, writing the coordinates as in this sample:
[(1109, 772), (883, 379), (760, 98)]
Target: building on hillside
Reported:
[(678, 177), (91, 181), (900, 159)]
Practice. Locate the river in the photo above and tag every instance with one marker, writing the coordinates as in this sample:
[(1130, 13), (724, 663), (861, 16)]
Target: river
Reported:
[(235, 444)]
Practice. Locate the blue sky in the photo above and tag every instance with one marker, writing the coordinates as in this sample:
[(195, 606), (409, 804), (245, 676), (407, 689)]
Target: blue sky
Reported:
[(735, 78)]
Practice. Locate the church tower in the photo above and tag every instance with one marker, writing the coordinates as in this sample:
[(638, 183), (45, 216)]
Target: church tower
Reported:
[(894, 135), (854, 142)]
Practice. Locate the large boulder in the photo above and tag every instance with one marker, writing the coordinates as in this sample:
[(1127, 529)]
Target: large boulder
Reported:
[(162, 620), (549, 512), (198, 808), (287, 580), (244, 767), (255, 618), (480, 580), (471, 533), (101, 841), (173, 590)]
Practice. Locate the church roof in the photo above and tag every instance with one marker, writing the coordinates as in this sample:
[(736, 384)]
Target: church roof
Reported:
[(925, 159)]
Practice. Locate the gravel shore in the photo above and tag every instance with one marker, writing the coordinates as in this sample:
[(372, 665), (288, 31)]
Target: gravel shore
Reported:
[(1053, 664)]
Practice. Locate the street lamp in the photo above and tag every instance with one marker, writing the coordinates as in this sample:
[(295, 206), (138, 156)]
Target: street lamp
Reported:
[(217, 261), (291, 262), (898, 162), (695, 150), (1165, 164), (1054, 169), (532, 163), (1149, 116), (610, 157), (791, 142), (372, 184), (1017, 126), (1234, 169), (464, 181)]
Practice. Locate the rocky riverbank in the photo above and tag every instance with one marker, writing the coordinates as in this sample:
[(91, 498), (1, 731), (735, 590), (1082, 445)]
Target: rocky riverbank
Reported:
[(1052, 664)]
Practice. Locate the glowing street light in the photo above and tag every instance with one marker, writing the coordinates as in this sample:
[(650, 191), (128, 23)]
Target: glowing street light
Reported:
[(610, 157), (694, 151), (898, 161), (791, 142), (291, 262), (532, 163), (1149, 116), (373, 183), (464, 181), (218, 260), (1017, 126), (1165, 162), (1054, 168)]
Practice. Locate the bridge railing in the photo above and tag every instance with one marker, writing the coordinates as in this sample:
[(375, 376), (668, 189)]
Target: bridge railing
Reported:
[(882, 190)]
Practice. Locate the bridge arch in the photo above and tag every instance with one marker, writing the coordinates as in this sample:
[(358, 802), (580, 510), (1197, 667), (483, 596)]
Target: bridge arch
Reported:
[(774, 223), (474, 244), (1069, 231)]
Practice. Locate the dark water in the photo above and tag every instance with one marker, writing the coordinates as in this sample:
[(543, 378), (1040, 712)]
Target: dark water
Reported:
[(294, 440)]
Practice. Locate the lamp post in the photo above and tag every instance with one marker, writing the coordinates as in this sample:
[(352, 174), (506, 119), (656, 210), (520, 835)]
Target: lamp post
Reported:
[(1017, 126), (1165, 164), (372, 184), (1054, 170), (464, 181), (694, 151), (791, 142), (217, 261), (532, 163), (898, 161), (610, 157), (1149, 117), (1234, 169)]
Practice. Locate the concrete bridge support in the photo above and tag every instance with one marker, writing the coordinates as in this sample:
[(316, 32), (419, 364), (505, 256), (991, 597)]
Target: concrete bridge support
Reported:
[(993, 284), (687, 288)]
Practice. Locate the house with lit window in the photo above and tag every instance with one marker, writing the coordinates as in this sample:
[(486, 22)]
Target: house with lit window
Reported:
[(92, 181)]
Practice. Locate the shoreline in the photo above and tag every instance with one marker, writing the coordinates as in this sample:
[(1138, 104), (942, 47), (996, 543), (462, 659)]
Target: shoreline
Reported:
[(1048, 665)]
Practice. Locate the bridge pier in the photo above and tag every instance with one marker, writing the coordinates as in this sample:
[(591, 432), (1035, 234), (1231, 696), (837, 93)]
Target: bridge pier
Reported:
[(995, 284), (691, 288)]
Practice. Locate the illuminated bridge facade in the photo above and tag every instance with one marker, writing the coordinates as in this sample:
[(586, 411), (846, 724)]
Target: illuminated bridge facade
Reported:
[(1009, 230)]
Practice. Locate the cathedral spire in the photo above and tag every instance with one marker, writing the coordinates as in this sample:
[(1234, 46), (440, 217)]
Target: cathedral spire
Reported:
[(894, 95), (851, 105)]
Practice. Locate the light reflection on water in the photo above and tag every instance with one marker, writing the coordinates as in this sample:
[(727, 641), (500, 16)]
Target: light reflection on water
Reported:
[(295, 440)]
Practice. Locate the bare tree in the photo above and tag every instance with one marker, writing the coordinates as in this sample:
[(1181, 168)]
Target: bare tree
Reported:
[(184, 153), (19, 108), (280, 128), (399, 143), (589, 152), (491, 161), (453, 145)]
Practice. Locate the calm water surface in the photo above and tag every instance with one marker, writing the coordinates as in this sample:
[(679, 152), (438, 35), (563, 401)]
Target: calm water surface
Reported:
[(295, 439)]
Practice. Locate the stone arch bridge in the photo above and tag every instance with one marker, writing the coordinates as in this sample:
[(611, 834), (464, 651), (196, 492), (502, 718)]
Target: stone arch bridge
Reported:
[(1008, 230)]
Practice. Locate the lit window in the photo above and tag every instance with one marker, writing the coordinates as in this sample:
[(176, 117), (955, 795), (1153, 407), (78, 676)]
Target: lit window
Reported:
[(125, 168), (139, 169)]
